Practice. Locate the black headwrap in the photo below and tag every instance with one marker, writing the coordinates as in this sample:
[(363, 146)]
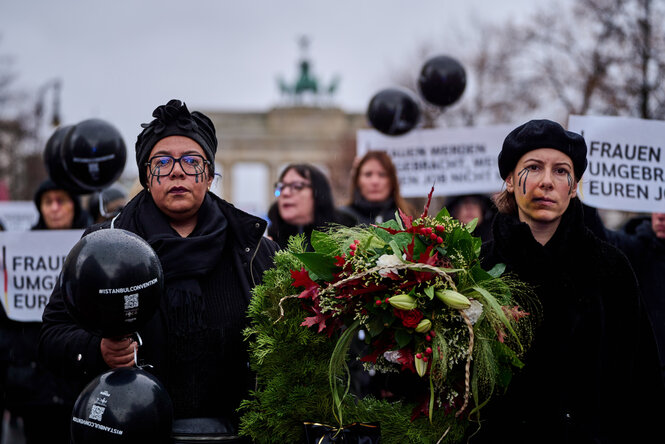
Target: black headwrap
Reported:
[(174, 119)]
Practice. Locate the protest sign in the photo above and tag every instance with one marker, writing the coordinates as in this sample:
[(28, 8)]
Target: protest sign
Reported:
[(18, 215), (626, 162), (31, 264), (454, 161)]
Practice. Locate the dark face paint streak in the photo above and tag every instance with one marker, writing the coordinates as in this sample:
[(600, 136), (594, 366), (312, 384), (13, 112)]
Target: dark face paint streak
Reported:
[(570, 184), (524, 174), (157, 175), (200, 171)]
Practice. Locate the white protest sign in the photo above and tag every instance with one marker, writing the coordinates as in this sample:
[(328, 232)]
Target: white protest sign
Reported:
[(626, 169), (455, 161), (18, 215), (31, 263)]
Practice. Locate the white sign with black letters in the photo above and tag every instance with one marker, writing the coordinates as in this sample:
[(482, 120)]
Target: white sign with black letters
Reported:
[(31, 264), (18, 215), (626, 162), (454, 161)]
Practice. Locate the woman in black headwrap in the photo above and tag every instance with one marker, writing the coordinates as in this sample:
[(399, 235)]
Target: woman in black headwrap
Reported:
[(212, 255)]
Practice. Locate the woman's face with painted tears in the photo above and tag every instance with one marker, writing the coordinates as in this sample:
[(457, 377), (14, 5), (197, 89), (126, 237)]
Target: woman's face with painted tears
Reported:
[(178, 191), (543, 183)]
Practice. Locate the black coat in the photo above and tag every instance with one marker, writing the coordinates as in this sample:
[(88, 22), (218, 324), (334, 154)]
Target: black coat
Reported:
[(366, 213), (590, 372), (69, 350), (646, 253), (26, 384)]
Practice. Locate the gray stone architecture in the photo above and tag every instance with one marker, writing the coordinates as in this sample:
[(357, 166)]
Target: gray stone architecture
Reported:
[(255, 146)]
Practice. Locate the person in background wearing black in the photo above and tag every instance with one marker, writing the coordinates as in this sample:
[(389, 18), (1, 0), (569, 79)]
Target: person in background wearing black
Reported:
[(212, 255), (375, 190), (41, 399), (59, 209), (642, 240), (468, 207), (304, 203), (591, 374)]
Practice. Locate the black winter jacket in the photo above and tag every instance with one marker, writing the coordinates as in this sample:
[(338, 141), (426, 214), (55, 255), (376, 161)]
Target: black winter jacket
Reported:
[(27, 384), (364, 212), (590, 372), (646, 253), (71, 351)]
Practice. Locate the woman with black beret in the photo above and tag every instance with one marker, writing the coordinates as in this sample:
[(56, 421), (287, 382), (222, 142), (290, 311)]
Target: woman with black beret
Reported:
[(212, 254), (591, 375)]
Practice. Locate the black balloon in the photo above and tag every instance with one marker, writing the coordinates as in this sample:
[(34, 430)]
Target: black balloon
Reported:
[(393, 111), (442, 80), (93, 154), (53, 161), (124, 405), (112, 281)]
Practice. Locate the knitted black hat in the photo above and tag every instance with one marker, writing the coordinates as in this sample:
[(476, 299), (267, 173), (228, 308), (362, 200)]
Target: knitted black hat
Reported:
[(537, 134), (174, 119)]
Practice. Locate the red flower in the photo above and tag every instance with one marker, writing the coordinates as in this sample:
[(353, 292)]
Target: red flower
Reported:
[(406, 359), (410, 318)]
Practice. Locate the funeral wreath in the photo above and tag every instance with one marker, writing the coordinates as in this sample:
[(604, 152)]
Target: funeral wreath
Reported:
[(426, 307)]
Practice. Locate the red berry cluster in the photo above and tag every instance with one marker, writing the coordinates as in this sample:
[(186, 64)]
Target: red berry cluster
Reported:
[(432, 233), (427, 354), (353, 247), (386, 301)]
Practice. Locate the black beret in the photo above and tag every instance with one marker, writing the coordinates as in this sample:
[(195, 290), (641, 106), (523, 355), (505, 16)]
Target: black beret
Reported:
[(537, 134), (174, 119)]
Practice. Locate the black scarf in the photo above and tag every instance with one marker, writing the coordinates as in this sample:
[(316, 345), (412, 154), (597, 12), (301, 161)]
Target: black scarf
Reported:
[(185, 260), (514, 238), (370, 210)]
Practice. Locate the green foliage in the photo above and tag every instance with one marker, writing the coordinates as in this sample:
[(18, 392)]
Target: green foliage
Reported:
[(302, 374), (292, 363)]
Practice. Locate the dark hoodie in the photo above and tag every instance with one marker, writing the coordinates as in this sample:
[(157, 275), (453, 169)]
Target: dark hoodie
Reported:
[(81, 217)]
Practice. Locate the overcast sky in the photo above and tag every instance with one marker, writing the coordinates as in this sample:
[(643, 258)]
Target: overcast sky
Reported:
[(117, 60)]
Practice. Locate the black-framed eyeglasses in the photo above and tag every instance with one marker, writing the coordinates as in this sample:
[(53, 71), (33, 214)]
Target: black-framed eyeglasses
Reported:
[(295, 186), (191, 164)]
